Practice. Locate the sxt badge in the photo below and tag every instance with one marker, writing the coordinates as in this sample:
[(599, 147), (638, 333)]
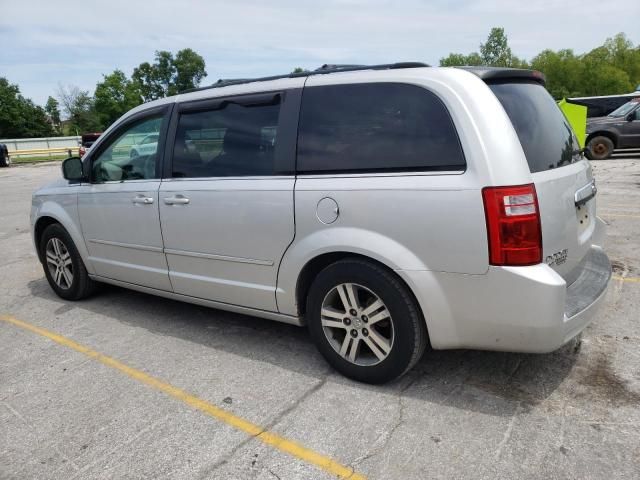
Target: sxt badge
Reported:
[(557, 258)]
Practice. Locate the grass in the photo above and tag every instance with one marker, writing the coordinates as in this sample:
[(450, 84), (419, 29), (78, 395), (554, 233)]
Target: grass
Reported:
[(37, 159)]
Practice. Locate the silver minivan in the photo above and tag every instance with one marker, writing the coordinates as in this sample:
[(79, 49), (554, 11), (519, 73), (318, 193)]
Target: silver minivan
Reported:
[(386, 207)]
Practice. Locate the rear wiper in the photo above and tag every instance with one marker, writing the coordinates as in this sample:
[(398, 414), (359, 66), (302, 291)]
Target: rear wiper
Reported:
[(581, 151)]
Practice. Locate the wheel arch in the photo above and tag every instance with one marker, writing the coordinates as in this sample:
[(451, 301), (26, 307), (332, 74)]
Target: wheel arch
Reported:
[(315, 265), (41, 225), (51, 212)]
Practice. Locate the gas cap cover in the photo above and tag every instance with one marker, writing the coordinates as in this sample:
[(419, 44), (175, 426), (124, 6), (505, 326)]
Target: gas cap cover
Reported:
[(327, 210)]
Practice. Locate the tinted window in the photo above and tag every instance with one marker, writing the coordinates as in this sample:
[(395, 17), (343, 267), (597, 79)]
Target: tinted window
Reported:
[(376, 127), (232, 141), (545, 135), (122, 159)]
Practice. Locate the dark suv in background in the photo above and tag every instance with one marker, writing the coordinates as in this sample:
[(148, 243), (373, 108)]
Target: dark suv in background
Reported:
[(620, 129)]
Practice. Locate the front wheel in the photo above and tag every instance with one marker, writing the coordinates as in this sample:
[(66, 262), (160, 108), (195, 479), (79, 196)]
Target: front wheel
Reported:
[(600, 148), (365, 322), (63, 265)]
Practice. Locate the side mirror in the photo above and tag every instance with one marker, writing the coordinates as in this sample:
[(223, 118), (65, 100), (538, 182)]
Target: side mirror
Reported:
[(631, 117), (72, 169)]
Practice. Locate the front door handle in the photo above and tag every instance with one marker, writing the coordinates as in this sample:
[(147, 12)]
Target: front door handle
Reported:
[(177, 200), (141, 199)]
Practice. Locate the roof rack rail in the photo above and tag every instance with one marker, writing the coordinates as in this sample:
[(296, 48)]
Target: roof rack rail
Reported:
[(322, 70)]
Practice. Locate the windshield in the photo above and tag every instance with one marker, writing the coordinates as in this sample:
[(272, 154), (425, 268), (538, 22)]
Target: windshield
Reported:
[(624, 109), (545, 135)]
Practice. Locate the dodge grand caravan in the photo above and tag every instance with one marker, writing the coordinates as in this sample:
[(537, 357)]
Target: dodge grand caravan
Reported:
[(386, 207)]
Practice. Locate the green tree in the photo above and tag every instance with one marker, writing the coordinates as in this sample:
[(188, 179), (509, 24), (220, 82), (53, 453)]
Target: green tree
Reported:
[(495, 52), (624, 56), (19, 116), (53, 111), (563, 71), (169, 75), (460, 59), (189, 71), (115, 96), (299, 70), (79, 108)]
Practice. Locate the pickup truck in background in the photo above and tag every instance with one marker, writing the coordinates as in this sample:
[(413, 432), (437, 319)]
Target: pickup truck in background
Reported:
[(618, 130)]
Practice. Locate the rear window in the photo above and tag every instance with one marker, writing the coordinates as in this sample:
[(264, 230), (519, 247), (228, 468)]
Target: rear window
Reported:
[(545, 135), (375, 127)]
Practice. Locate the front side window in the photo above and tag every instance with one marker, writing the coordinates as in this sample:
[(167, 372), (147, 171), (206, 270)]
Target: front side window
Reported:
[(124, 159), (375, 127), (234, 140)]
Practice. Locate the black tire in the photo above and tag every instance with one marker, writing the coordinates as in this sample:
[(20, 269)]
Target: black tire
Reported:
[(81, 286), (600, 148), (5, 160), (410, 333)]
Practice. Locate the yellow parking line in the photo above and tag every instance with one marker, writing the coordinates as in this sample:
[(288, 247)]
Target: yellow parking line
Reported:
[(626, 279), (272, 439)]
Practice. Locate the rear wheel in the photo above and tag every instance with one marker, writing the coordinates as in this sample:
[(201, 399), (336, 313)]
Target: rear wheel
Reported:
[(365, 322), (600, 148), (63, 265)]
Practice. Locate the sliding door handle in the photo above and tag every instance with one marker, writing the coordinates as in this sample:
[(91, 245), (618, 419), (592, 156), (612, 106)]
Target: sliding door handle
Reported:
[(177, 200)]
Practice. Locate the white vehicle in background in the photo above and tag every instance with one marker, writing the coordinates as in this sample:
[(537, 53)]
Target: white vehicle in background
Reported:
[(147, 146)]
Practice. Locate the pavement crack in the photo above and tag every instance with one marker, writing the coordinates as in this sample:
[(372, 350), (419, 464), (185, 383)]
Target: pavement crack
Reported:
[(507, 433), (274, 474), (277, 419), (34, 429), (118, 447), (384, 439)]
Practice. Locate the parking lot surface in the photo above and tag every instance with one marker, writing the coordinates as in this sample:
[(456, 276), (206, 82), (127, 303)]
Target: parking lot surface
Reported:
[(127, 385)]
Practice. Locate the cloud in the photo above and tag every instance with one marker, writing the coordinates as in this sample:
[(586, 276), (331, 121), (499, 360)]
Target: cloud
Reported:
[(75, 42)]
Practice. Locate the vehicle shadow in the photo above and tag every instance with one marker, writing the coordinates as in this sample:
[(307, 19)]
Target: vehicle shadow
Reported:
[(492, 383)]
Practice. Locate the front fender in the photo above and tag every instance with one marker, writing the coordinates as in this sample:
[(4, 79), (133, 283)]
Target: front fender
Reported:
[(340, 239), (64, 209)]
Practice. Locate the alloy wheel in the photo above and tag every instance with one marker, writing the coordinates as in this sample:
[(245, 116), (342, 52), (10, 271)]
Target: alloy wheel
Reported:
[(59, 263), (357, 324)]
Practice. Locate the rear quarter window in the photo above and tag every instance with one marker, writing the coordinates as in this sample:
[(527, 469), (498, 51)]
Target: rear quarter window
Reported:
[(375, 127), (544, 133)]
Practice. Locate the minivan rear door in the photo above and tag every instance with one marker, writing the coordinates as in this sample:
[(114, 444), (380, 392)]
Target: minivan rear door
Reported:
[(563, 178)]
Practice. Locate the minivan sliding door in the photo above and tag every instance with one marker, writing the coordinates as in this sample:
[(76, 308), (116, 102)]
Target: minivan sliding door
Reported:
[(226, 208)]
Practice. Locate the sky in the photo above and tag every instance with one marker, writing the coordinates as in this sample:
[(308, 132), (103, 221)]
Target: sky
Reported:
[(45, 44)]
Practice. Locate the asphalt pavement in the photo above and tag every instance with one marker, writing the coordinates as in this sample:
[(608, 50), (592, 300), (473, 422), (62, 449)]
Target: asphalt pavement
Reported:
[(128, 385)]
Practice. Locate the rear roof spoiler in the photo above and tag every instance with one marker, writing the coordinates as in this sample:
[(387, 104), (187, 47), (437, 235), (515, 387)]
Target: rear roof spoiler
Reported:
[(504, 74)]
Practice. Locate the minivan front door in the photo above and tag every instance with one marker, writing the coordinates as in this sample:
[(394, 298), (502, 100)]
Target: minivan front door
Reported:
[(630, 130), (118, 209), (227, 211)]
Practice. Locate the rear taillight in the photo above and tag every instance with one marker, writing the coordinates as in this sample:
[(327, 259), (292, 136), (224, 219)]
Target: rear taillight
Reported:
[(513, 225)]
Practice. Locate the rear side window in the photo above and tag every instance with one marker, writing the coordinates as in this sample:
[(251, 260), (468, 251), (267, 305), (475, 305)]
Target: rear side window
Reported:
[(545, 135), (235, 140), (375, 127)]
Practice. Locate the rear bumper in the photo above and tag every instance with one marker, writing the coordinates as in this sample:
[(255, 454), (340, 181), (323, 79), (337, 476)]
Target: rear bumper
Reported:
[(516, 309), (587, 292)]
